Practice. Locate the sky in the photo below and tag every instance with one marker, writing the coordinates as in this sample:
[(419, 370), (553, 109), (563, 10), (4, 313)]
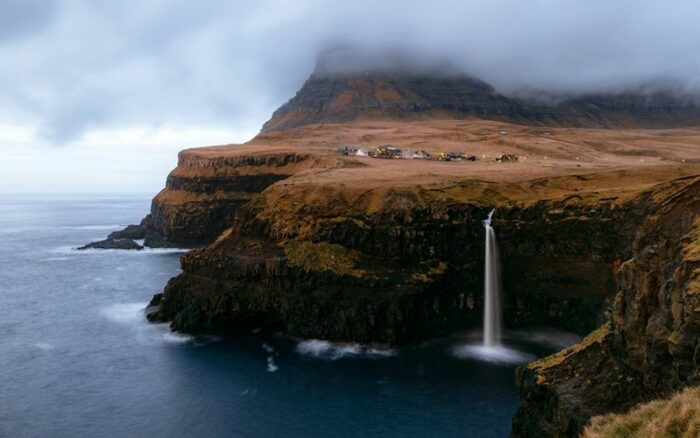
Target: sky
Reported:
[(99, 96)]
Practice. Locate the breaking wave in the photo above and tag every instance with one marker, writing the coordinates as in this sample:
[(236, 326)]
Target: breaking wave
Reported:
[(124, 312), (90, 227), (29, 228), (73, 250), (131, 315), (333, 351), (547, 336), (271, 366)]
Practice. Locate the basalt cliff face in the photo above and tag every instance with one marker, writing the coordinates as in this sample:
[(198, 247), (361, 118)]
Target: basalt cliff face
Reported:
[(203, 193), (651, 345), (402, 265)]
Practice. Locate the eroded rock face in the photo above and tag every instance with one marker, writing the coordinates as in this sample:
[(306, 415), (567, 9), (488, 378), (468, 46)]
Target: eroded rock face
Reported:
[(402, 274), (651, 345), (203, 194)]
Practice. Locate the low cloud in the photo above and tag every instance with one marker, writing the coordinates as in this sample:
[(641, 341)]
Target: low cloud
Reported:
[(74, 66)]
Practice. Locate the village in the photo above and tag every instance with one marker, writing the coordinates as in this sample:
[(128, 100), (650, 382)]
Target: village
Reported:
[(392, 152)]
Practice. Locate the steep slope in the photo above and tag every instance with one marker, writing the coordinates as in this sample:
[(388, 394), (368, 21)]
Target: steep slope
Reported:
[(341, 98), (651, 345), (336, 97), (675, 417)]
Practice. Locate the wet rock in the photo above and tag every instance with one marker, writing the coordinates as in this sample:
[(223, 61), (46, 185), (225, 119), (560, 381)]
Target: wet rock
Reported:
[(133, 232), (126, 244), (151, 310)]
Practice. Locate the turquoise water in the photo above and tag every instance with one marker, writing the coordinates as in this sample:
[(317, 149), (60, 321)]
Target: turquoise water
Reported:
[(77, 357)]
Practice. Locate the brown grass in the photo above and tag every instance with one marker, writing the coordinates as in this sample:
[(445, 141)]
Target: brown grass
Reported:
[(588, 165), (678, 417), (322, 256)]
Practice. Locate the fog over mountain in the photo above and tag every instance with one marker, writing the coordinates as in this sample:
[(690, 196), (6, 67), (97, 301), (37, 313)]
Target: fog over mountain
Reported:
[(76, 72)]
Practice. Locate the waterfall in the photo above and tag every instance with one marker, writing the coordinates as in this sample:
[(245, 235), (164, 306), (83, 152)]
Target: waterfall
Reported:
[(492, 288)]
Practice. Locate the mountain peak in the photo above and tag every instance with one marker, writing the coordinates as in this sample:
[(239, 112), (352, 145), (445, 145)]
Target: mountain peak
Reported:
[(348, 85)]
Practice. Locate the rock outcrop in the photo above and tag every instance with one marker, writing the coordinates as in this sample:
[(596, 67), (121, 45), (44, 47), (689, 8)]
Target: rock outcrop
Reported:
[(202, 195), (112, 243)]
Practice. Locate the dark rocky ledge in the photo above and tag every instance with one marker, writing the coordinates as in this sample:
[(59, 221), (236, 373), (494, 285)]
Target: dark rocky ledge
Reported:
[(112, 243)]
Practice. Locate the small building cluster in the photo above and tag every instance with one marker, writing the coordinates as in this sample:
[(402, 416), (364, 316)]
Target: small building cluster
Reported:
[(390, 152), (505, 158)]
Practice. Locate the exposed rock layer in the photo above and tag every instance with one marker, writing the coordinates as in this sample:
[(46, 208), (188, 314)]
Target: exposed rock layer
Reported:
[(337, 98), (408, 271), (202, 195)]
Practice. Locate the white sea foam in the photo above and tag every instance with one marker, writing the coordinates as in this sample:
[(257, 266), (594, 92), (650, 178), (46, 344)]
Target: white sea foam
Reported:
[(547, 336), (271, 366), (73, 250), (333, 351), (131, 315), (90, 227), (124, 312), (21, 229), (174, 337), (26, 228), (56, 259), (498, 354)]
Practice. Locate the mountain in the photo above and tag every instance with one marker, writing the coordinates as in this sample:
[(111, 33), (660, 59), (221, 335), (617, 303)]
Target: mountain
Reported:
[(333, 95)]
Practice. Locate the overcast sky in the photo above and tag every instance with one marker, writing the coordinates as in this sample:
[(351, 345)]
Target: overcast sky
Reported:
[(100, 95)]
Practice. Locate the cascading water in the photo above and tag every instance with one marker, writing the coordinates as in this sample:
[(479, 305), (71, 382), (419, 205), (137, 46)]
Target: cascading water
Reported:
[(490, 349), (492, 288)]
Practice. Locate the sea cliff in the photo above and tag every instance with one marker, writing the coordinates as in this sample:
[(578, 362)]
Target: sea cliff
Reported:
[(649, 348)]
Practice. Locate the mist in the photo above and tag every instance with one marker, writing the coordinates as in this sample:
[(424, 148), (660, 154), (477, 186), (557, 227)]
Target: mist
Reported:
[(74, 69)]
